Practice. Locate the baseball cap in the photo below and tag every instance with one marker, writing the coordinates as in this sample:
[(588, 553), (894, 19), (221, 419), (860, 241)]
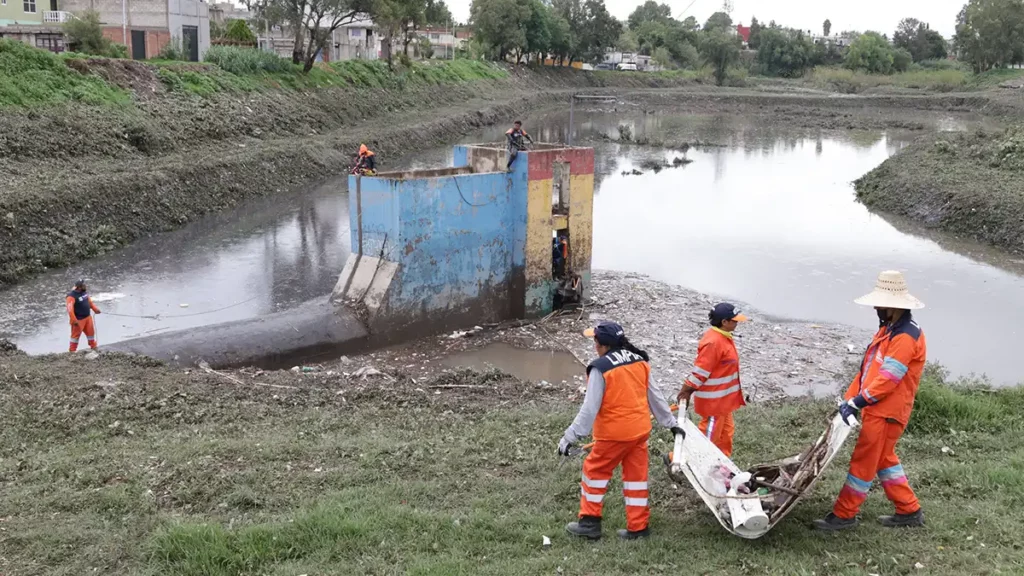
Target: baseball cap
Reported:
[(726, 311), (607, 333)]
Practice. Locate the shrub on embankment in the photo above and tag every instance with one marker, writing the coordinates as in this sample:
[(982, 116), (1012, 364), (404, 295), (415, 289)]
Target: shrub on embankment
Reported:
[(33, 77), (969, 184)]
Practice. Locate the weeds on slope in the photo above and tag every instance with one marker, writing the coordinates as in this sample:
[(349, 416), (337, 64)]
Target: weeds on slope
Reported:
[(32, 77)]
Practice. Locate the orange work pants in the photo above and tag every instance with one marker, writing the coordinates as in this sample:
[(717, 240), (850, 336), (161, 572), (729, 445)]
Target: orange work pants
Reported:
[(598, 467), (719, 429), (875, 455), (78, 328)]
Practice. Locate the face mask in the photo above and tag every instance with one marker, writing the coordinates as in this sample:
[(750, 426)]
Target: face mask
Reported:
[(883, 316)]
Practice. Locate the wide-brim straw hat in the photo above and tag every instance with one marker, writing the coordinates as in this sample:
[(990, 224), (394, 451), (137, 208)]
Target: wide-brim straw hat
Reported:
[(891, 292)]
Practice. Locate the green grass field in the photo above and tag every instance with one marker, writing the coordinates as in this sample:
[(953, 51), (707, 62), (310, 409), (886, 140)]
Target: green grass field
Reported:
[(148, 471)]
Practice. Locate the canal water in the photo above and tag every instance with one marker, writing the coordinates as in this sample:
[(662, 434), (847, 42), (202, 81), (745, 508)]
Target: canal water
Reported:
[(767, 217)]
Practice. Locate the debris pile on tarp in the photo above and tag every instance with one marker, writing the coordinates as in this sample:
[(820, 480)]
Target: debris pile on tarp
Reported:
[(750, 503)]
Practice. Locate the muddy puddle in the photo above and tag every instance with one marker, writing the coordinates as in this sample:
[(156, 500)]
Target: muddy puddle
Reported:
[(766, 216), (533, 365)]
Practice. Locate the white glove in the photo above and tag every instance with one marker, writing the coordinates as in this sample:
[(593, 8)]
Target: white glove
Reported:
[(563, 446)]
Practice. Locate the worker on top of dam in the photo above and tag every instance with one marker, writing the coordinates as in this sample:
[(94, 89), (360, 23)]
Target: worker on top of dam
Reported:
[(517, 138), (714, 383), (619, 400), (366, 162), (883, 393), (80, 309)]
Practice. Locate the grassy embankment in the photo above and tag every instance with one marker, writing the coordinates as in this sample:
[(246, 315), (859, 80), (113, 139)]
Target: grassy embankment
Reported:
[(965, 183), (130, 469), (941, 79), (33, 77)]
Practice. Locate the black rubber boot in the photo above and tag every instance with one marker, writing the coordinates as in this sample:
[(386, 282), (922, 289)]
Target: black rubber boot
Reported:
[(914, 520), (587, 527), (629, 535), (833, 523)]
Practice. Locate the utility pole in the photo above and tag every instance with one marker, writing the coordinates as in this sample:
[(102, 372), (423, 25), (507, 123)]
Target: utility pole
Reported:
[(124, 22)]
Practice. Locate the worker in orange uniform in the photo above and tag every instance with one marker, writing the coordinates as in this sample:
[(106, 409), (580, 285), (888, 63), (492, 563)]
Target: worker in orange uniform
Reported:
[(619, 401), (714, 384), (883, 393), (366, 162), (80, 309)]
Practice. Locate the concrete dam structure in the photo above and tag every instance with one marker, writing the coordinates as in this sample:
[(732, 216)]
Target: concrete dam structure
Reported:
[(468, 244), (432, 250)]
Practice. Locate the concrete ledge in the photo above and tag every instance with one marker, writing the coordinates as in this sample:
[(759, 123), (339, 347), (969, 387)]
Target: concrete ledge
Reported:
[(272, 341)]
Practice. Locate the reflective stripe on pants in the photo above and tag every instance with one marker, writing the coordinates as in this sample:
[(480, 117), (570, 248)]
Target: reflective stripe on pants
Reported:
[(598, 467), (719, 429), (875, 455), (86, 327)]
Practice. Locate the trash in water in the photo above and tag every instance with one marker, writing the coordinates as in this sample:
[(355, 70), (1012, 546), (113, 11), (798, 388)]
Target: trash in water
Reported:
[(107, 296), (183, 305)]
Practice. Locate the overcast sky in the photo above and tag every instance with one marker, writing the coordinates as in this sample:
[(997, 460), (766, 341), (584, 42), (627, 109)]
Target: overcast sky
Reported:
[(878, 15)]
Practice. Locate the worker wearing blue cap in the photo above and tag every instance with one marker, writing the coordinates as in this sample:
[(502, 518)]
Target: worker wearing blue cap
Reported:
[(714, 383), (619, 401)]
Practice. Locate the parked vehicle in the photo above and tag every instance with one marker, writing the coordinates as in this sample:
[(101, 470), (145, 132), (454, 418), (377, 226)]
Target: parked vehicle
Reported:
[(627, 67), (605, 66)]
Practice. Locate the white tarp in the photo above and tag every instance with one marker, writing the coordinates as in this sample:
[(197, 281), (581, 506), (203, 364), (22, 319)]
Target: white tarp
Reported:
[(749, 515)]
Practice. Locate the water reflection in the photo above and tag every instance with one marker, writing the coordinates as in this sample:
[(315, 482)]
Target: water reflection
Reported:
[(780, 229), (768, 217)]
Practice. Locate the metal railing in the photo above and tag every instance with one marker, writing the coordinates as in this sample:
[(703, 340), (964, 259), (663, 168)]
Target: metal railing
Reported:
[(56, 17)]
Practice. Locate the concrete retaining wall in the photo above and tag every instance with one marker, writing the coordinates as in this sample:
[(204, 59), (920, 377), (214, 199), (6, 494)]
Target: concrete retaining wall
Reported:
[(468, 244)]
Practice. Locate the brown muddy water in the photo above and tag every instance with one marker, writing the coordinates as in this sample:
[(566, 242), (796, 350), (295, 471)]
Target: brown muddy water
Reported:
[(535, 365), (768, 218)]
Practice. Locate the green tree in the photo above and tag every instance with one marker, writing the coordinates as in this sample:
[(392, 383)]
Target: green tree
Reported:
[(436, 13), (627, 41), (649, 11), (920, 40), (718, 21), (785, 53), (561, 38), (600, 31), (239, 31), (870, 52), (901, 60), (755, 34), (720, 50), (538, 29), (827, 27), (499, 25), (686, 55), (85, 34), (990, 33), (662, 58)]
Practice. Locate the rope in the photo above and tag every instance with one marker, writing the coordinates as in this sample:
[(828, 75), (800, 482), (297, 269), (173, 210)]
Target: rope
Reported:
[(162, 316), (461, 195)]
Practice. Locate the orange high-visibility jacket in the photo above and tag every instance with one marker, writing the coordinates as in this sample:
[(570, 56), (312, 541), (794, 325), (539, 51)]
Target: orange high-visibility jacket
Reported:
[(891, 370), (716, 375), (624, 413)]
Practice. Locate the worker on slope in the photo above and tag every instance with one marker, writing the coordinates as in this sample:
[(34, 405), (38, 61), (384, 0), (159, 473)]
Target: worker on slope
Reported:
[(366, 162), (883, 393), (619, 400), (517, 138), (80, 309), (714, 383)]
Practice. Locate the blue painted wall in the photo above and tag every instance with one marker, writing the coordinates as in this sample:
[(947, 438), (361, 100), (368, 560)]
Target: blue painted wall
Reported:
[(453, 236)]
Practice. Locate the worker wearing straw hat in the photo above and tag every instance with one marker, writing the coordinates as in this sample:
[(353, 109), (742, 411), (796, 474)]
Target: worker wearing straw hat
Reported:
[(883, 393)]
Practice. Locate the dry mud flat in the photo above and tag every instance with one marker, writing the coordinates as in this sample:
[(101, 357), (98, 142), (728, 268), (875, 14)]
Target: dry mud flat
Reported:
[(778, 358)]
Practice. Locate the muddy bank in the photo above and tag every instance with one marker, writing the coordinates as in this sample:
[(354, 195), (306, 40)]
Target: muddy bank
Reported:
[(80, 180), (778, 357), (968, 184)]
